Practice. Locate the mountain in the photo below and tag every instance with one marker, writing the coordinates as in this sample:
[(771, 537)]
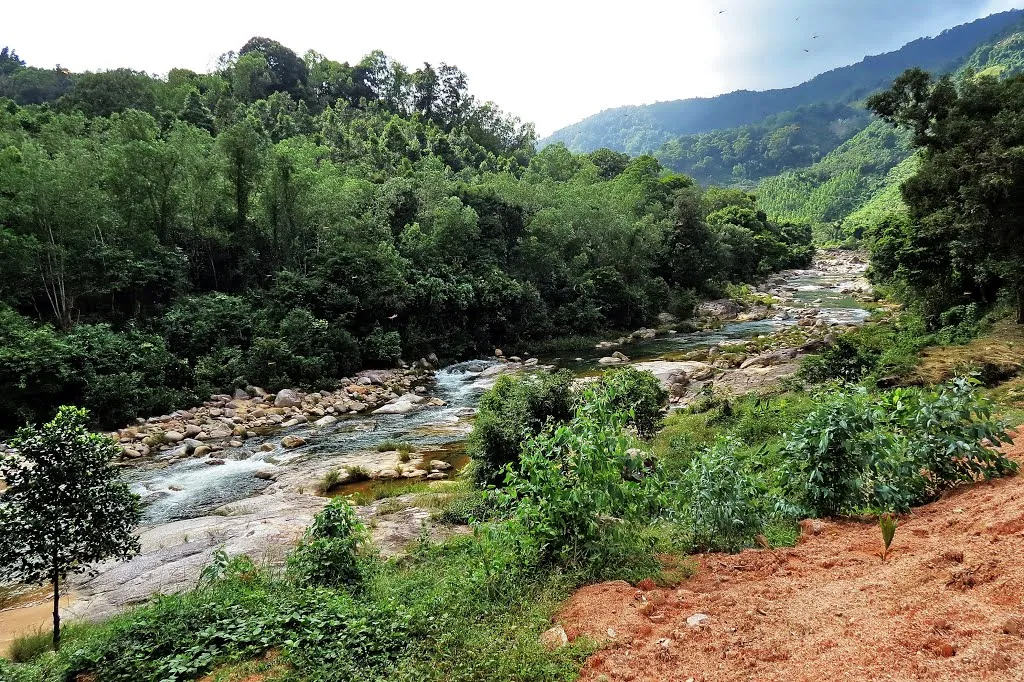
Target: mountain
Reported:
[(640, 129), (858, 183)]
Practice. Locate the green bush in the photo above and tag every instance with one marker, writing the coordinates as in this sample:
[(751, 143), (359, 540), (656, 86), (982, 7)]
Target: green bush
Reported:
[(515, 409), (328, 555), (720, 499), (381, 348), (580, 489), (637, 394), (886, 452)]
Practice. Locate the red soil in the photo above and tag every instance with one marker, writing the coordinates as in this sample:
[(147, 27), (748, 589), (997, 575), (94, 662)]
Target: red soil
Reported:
[(948, 604)]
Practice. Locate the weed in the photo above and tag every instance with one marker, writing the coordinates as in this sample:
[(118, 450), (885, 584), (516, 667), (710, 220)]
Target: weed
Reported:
[(328, 482), (355, 473), (402, 448)]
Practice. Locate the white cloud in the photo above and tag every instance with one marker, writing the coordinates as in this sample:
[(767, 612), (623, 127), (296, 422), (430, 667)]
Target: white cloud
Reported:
[(551, 62)]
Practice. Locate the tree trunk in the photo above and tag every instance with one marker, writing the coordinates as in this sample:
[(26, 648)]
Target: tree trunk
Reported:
[(1020, 306), (56, 612)]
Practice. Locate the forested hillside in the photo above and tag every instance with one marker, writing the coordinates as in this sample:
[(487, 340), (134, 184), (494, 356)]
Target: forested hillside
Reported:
[(285, 221), (858, 184), (641, 129)]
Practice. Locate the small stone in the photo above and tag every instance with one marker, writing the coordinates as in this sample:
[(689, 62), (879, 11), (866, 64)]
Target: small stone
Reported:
[(515, 358), (439, 465), (235, 444), (498, 353), (293, 441), (202, 451), (266, 475), (175, 488), (214, 461), (436, 476), (325, 421), (192, 430), (697, 620), (555, 638)]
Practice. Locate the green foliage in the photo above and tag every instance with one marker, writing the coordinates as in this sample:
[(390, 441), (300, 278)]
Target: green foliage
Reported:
[(857, 451), (719, 497), (328, 554), (61, 478), (579, 488), (637, 394), (329, 481), (515, 409), (887, 524)]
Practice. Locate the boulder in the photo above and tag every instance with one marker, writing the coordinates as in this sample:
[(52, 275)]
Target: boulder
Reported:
[(202, 451), (439, 465), (436, 476), (610, 361), (722, 309), (171, 437), (498, 353), (215, 462), (293, 441), (287, 397), (325, 421), (620, 356), (240, 394), (515, 358), (192, 430), (532, 362), (266, 475), (666, 319)]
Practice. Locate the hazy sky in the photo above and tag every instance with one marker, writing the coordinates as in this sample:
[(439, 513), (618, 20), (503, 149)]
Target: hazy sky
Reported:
[(552, 62)]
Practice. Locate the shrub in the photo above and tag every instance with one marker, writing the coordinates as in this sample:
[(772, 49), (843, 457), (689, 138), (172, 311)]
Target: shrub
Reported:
[(572, 490), (328, 554), (719, 499), (515, 409), (637, 394), (889, 451)]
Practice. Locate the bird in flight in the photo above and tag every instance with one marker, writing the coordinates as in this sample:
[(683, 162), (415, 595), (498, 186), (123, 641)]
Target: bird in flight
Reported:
[(806, 50), (813, 37), (393, 316), (721, 11)]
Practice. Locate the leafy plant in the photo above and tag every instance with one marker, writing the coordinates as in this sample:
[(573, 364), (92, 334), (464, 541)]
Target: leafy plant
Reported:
[(328, 553), (515, 409), (639, 395), (719, 499), (571, 492), (329, 481), (887, 524)]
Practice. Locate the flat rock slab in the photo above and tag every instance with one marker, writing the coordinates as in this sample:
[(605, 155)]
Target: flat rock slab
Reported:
[(264, 527)]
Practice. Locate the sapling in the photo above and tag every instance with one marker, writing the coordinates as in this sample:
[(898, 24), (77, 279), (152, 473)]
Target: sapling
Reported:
[(888, 523)]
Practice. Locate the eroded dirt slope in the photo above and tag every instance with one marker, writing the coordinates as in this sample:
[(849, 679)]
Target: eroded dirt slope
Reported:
[(947, 605)]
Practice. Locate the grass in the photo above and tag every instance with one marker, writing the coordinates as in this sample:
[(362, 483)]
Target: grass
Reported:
[(995, 356), (396, 446), (34, 645), (329, 481)]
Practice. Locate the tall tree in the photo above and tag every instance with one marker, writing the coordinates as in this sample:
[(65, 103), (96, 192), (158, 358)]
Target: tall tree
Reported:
[(65, 507), (967, 198)]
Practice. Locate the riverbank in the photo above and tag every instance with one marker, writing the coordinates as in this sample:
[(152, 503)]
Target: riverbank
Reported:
[(253, 490)]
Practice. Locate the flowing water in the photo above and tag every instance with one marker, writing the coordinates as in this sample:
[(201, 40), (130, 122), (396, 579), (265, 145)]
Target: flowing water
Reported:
[(193, 488)]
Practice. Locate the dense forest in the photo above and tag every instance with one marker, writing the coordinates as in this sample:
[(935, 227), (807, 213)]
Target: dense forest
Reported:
[(642, 129), (286, 221)]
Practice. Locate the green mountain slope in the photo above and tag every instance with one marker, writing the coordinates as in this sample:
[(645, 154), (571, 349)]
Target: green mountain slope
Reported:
[(639, 129), (858, 183)]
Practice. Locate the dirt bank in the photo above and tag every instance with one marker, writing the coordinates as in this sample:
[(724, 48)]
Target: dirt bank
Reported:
[(947, 605)]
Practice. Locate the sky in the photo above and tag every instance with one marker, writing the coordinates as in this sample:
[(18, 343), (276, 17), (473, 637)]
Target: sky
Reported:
[(552, 62)]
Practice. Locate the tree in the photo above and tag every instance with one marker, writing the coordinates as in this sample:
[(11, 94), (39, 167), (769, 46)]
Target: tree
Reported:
[(64, 507), (966, 199)]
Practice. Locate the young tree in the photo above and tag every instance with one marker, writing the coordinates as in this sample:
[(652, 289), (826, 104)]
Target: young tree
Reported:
[(64, 507)]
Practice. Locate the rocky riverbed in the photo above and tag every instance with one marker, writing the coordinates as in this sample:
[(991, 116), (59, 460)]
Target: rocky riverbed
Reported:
[(241, 471)]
